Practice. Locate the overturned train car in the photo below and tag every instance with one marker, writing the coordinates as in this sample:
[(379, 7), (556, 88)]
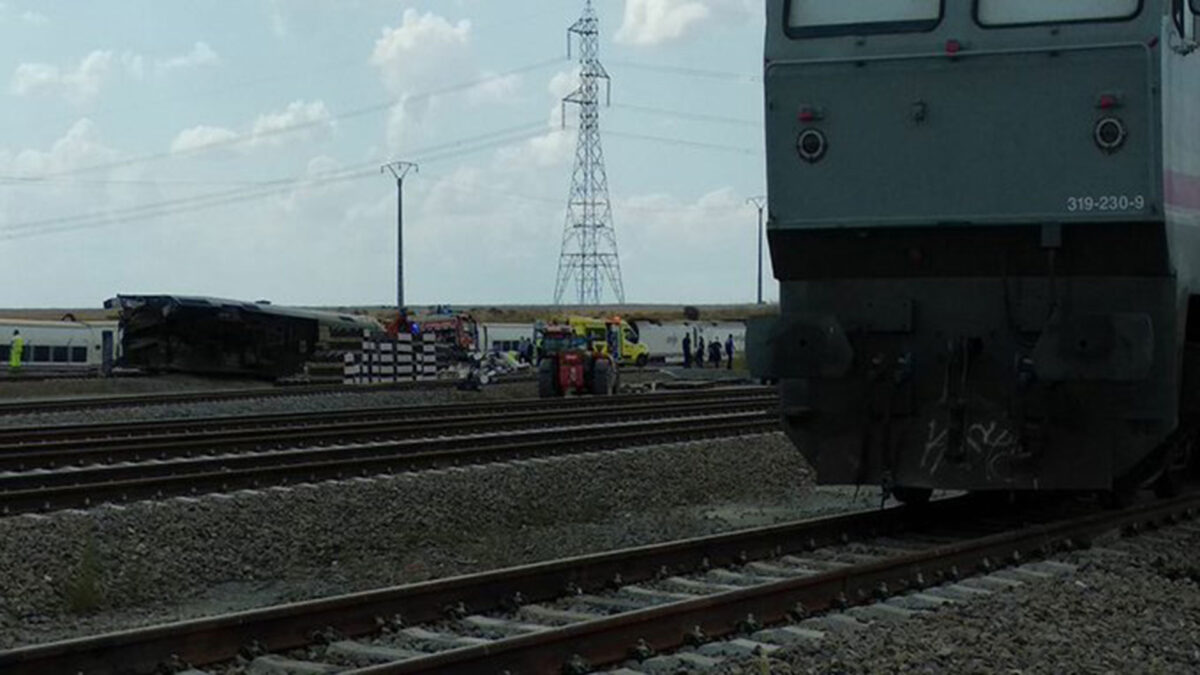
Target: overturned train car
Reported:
[(214, 336), (985, 218)]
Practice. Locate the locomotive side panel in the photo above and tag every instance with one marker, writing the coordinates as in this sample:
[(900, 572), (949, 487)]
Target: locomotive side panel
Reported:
[(979, 240), (986, 136)]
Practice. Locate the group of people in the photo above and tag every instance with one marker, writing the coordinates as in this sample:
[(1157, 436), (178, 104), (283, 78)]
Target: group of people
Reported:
[(713, 354), (526, 351)]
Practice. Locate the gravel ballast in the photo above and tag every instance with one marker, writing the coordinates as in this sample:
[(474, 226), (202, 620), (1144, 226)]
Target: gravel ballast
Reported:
[(297, 403), (81, 572), (1132, 606)]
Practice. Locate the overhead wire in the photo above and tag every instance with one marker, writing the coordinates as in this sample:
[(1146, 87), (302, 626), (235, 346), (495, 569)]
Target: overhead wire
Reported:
[(688, 71), (433, 153), (239, 139), (680, 114), (265, 189)]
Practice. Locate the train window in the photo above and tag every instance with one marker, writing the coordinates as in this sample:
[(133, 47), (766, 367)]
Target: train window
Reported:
[(1023, 12), (5, 352), (854, 17), (78, 354), (59, 354), (41, 353)]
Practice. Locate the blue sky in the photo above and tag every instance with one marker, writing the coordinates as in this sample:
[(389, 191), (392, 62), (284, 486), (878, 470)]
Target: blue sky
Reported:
[(232, 149)]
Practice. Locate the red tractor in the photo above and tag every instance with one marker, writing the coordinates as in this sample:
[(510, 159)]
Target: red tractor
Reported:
[(569, 364)]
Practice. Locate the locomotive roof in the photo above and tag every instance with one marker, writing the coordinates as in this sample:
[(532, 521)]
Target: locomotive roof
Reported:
[(45, 323), (329, 318)]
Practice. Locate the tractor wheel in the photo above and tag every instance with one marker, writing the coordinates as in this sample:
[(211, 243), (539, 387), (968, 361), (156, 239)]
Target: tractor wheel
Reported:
[(603, 378), (547, 382)]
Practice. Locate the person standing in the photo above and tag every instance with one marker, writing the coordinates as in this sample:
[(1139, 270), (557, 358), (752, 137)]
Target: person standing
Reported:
[(729, 352), (714, 354), (700, 355), (15, 350), (687, 351)]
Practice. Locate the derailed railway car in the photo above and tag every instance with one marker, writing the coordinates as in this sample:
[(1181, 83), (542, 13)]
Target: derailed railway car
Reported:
[(224, 337), (985, 218)]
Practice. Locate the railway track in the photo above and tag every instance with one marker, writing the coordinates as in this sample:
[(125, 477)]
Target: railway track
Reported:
[(66, 473), (579, 614), (49, 405), (15, 440)]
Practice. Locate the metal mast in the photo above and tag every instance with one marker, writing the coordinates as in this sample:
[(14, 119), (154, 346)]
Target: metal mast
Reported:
[(399, 170), (589, 247)]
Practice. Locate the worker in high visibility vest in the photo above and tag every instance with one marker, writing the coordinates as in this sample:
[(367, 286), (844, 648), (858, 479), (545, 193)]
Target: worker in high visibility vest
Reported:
[(16, 348)]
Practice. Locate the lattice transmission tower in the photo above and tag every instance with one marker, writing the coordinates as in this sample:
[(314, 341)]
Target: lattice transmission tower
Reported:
[(589, 248)]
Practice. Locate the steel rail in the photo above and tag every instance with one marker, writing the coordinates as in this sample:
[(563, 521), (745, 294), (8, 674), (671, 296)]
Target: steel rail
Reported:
[(428, 437), (64, 452), (39, 491), (45, 405), (667, 627), (12, 438), (605, 641), (220, 638)]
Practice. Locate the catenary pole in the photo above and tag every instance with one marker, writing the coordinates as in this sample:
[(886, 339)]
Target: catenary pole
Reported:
[(760, 203), (399, 170)]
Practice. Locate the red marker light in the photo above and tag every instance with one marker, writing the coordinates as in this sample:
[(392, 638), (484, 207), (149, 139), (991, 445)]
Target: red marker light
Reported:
[(807, 115), (953, 47), (1107, 102)]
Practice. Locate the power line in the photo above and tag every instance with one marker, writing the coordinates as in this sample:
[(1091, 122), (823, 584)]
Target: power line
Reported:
[(301, 126), (703, 145), (691, 72), (282, 186), (698, 117), (514, 195)]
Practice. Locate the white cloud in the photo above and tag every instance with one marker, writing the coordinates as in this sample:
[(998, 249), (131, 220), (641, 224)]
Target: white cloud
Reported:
[(424, 53), (652, 22), (82, 83), (556, 147), (34, 18), (78, 85), (419, 52), (279, 25), (665, 240), (80, 146), (301, 120), (201, 136), (496, 89), (312, 115), (200, 55)]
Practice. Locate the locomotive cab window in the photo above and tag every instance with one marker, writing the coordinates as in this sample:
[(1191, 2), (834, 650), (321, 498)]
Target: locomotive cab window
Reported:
[(1025, 12), (815, 18)]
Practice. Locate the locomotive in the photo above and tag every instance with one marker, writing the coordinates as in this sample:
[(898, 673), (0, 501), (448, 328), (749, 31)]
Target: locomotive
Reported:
[(984, 216)]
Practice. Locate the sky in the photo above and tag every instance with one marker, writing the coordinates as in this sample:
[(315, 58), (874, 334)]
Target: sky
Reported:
[(233, 149)]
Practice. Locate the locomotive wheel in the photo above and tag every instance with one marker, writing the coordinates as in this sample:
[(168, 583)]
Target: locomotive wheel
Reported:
[(1175, 475), (547, 387), (911, 495)]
